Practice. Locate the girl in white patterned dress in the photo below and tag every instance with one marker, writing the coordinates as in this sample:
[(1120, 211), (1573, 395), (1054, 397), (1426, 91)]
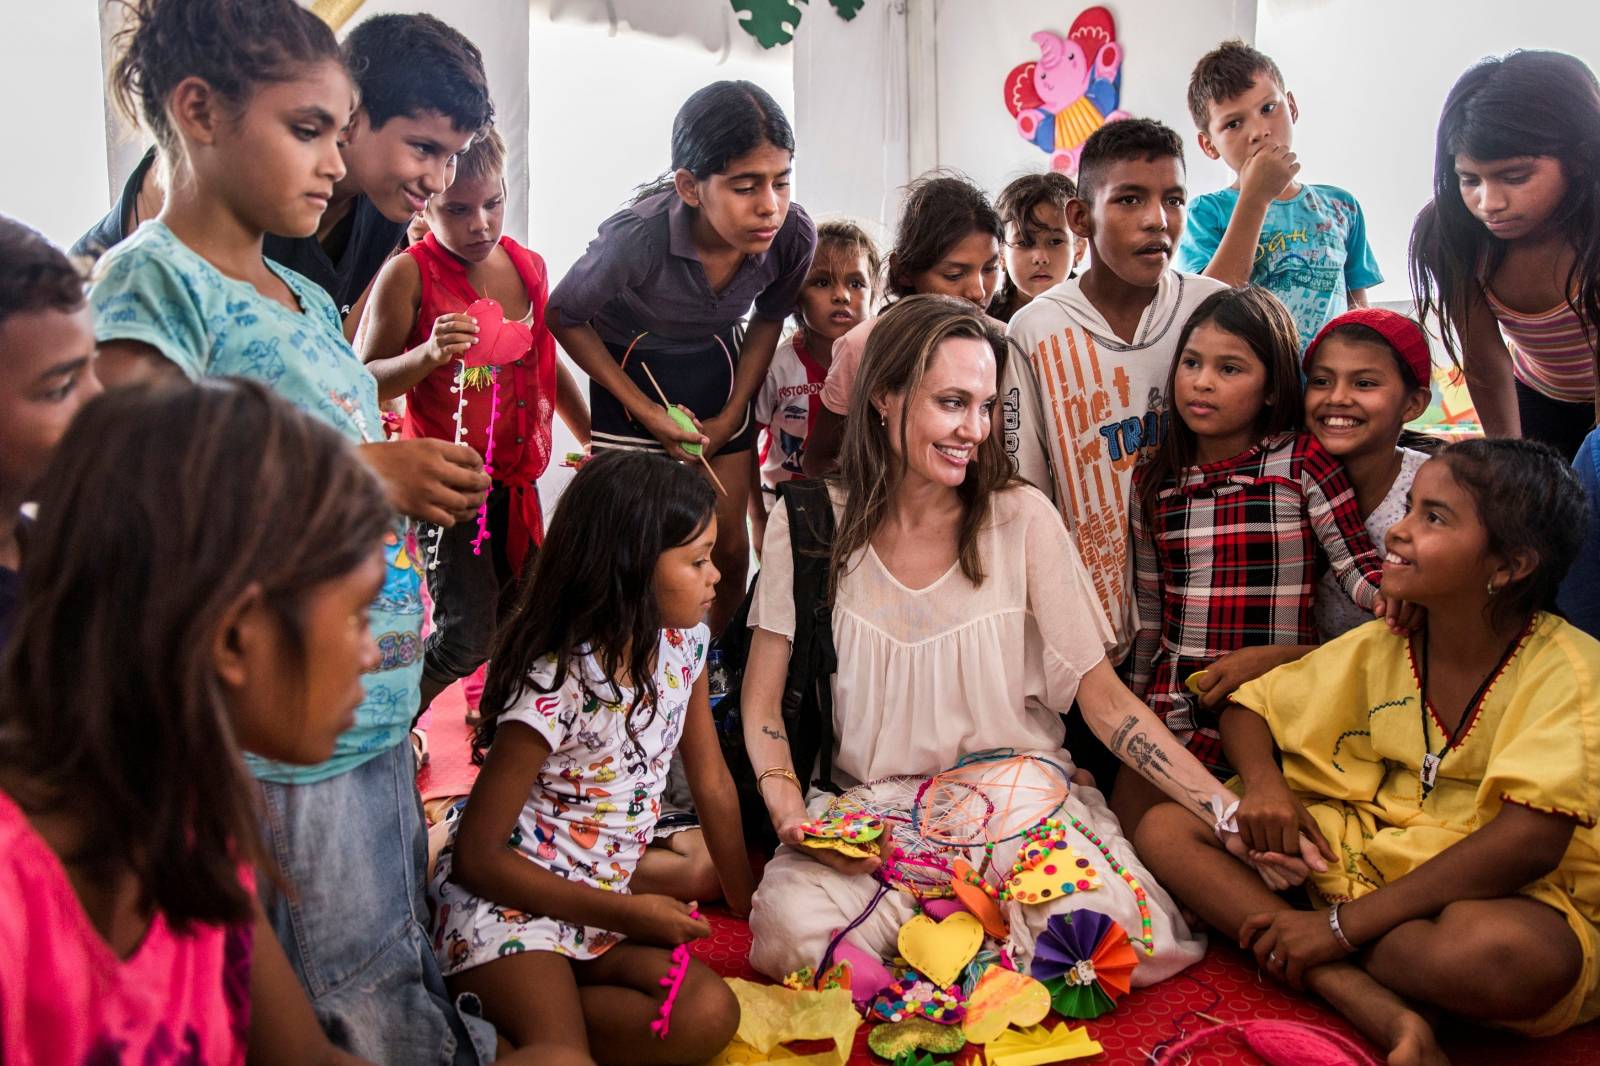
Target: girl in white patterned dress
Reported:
[(595, 680)]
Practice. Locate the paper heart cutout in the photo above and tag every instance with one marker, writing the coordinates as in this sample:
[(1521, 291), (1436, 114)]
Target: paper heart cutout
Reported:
[(868, 974), (499, 342), (940, 909), (1001, 999), (940, 950), (978, 902)]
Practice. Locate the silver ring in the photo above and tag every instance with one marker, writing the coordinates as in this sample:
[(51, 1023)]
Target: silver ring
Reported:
[(1272, 956)]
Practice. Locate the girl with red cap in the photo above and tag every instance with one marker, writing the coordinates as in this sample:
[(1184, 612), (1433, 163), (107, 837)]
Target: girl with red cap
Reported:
[(1366, 376)]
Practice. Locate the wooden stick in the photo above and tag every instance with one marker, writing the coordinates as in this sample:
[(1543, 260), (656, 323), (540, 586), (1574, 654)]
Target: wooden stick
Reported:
[(715, 480)]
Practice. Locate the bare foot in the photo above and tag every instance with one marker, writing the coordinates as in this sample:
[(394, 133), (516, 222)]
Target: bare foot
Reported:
[(1411, 1042), (1383, 1017)]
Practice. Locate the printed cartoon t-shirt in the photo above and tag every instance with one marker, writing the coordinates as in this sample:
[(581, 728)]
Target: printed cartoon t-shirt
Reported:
[(154, 289), (594, 807), (1313, 250)]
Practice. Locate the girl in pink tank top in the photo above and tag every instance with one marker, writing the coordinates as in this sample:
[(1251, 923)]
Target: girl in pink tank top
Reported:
[(161, 631), (1506, 258)]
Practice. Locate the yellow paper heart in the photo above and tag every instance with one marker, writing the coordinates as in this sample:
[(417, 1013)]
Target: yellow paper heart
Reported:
[(1003, 998), (941, 950)]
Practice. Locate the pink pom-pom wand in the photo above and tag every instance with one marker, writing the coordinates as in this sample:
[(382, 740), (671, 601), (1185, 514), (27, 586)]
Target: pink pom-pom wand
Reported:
[(672, 982)]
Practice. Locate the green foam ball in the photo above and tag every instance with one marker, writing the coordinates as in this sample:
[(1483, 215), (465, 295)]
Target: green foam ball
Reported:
[(685, 422)]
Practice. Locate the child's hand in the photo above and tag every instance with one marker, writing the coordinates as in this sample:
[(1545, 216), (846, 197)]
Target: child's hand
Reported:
[(1222, 677), (430, 480), (1289, 942), (1270, 818), (452, 335), (673, 436), (663, 921), (1402, 616), (1266, 173)]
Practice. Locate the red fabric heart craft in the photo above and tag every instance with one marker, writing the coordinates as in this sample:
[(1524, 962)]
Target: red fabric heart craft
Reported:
[(499, 342)]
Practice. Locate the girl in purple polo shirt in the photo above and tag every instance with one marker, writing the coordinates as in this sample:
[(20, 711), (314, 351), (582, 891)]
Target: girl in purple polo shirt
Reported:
[(666, 284)]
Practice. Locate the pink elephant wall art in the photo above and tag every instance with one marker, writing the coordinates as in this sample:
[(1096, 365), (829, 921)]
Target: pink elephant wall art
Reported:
[(1071, 90)]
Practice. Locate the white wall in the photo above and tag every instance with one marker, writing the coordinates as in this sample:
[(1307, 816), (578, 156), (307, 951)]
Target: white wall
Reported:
[(850, 113), (1370, 77), (55, 177), (979, 44)]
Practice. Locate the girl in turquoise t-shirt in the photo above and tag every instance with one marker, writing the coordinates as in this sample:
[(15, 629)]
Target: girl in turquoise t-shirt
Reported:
[(246, 99)]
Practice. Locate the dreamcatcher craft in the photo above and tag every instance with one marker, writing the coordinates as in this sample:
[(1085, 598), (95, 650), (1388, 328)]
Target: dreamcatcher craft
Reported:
[(989, 798), (911, 863), (1086, 962)]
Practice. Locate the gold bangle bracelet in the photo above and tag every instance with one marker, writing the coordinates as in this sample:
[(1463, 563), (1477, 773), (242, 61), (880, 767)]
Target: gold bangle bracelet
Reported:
[(778, 771)]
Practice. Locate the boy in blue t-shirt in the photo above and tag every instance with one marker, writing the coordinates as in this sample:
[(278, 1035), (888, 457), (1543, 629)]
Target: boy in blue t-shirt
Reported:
[(1306, 244)]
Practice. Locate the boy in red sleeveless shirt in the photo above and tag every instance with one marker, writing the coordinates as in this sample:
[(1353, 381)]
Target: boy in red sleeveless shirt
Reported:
[(414, 334)]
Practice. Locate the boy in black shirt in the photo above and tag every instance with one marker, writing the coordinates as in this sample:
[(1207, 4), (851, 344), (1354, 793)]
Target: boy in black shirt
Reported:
[(423, 96)]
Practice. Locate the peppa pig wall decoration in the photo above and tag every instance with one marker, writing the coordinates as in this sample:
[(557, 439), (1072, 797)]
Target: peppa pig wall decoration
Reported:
[(1071, 90)]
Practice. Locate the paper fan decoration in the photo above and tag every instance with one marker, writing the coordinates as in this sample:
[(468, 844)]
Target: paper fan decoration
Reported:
[(1086, 962)]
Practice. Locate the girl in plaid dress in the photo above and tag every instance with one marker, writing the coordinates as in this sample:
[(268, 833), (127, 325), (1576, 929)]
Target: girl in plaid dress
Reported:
[(1228, 517)]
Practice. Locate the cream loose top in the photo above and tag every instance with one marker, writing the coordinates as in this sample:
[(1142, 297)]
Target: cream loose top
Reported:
[(928, 675)]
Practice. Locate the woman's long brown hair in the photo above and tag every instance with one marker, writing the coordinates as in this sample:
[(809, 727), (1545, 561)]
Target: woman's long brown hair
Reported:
[(161, 507), (902, 345)]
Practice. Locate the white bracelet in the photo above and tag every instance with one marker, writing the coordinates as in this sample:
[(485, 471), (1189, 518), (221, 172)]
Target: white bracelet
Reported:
[(1225, 811), (1338, 933)]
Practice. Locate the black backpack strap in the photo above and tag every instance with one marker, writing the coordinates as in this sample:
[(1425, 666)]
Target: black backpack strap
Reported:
[(808, 691)]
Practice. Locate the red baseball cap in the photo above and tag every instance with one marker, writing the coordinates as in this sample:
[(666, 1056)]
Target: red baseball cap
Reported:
[(1402, 334)]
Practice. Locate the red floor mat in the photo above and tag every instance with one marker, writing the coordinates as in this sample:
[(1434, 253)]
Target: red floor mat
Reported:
[(1224, 984)]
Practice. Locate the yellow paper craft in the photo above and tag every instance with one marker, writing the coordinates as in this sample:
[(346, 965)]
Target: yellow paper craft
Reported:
[(1003, 998), (770, 1015), (1040, 1046), (864, 850), (939, 951), (1051, 873), (739, 1053)]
